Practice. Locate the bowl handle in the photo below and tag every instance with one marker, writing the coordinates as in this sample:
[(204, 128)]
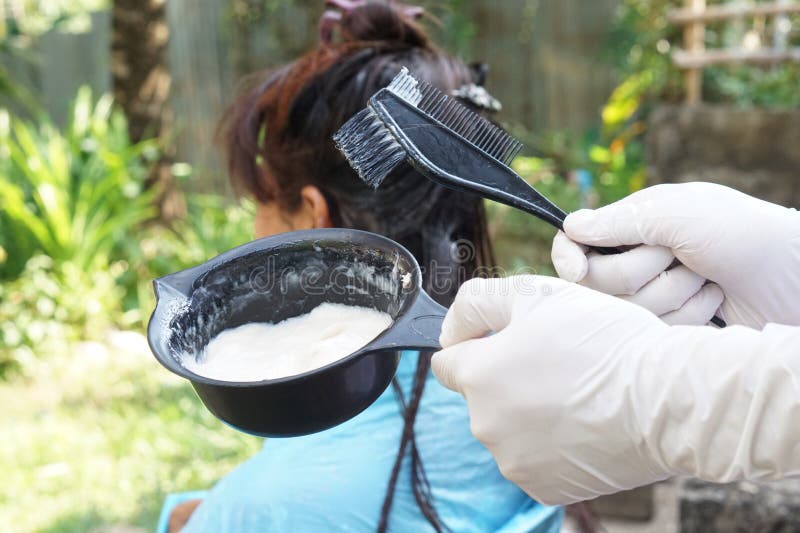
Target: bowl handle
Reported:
[(417, 329)]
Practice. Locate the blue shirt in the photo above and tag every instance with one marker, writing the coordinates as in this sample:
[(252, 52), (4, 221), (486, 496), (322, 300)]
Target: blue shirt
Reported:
[(336, 480)]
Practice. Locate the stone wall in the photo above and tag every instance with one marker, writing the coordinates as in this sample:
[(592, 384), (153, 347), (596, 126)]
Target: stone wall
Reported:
[(754, 150), (740, 507)]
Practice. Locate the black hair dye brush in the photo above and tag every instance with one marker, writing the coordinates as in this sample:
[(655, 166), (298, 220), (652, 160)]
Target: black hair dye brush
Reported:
[(446, 142), (443, 140)]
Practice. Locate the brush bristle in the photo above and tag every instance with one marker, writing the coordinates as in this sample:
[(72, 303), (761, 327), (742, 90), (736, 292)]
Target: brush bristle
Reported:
[(369, 147), (455, 116), (406, 87)]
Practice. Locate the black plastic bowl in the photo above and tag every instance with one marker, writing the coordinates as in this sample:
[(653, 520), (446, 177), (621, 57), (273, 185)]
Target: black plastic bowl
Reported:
[(287, 275)]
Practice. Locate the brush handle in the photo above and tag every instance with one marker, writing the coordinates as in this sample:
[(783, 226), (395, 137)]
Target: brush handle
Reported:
[(524, 197), (444, 156)]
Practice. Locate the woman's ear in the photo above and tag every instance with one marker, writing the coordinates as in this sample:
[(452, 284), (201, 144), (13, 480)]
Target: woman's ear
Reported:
[(315, 207)]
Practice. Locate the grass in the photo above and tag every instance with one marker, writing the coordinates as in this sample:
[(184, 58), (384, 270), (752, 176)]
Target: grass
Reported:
[(100, 435)]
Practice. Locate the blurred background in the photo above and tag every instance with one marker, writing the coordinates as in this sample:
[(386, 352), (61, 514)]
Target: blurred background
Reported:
[(109, 177)]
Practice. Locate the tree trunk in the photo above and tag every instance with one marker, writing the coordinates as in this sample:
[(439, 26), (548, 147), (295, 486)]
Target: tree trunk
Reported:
[(141, 83)]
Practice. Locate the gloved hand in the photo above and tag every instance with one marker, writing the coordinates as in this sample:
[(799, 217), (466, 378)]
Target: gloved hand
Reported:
[(579, 394), (641, 275), (747, 247)]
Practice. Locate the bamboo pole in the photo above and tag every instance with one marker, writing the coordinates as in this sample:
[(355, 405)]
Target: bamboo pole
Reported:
[(782, 27), (689, 15), (707, 58), (694, 42)]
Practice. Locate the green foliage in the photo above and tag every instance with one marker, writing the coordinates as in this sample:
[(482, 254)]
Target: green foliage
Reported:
[(617, 155), (77, 261), (456, 27), (625, 101), (71, 195), (52, 305), (521, 241), (642, 41), (612, 153), (211, 226), (67, 199), (22, 21), (76, 253), (747, 86), (611, 156)]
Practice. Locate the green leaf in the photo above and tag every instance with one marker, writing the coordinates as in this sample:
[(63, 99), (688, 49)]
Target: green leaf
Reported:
[(75, 191), (625, 99)]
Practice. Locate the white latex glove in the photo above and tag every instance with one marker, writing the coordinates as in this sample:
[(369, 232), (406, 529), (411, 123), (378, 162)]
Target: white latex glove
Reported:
[(749, 248), (641, 275), (579, 394)]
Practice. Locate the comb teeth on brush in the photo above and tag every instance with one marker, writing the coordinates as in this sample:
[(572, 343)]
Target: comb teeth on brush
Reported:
[(461, 120), (446, 142)]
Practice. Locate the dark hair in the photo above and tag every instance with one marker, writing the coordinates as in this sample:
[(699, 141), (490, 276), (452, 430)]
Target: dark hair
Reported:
[(278, 139)]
